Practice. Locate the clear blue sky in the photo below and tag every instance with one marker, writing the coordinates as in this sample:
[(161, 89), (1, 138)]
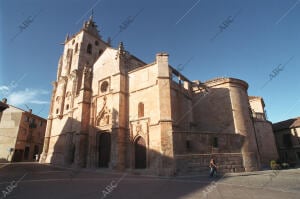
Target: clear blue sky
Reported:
[(256, 38)]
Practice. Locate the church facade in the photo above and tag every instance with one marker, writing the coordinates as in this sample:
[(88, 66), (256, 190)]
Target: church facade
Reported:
[(109, 109)]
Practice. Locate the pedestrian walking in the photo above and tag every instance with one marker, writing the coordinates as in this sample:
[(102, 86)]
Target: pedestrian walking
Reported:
[(213, 167), (36, 157)]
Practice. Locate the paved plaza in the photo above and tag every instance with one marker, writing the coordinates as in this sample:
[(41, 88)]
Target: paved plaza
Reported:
[(33, 180)]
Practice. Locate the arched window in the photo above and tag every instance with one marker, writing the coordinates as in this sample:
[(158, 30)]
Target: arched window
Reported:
[(76, 47), (57, 99), (141, 109), (89, 49)]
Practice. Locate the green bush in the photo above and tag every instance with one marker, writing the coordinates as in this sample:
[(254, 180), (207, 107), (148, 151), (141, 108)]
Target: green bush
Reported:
[(274, 165)]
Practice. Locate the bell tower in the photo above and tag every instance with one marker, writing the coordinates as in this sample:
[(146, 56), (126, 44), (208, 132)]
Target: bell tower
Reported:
[(83, 48), (70, 102), (80, 52)]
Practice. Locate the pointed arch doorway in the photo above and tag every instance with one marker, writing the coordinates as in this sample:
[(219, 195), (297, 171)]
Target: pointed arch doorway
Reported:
[(140, 153), (104, 143)]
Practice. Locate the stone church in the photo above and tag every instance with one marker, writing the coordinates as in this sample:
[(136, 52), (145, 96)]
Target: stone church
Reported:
[(109, 109)]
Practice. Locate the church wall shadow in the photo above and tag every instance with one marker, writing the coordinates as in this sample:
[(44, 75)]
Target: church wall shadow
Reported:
[(66, 154)]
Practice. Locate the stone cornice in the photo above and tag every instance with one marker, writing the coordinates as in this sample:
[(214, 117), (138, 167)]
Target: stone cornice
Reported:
[(225, 80)]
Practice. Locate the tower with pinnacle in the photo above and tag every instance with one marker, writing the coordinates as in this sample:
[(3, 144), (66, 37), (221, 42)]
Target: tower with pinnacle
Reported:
[(71, 95)]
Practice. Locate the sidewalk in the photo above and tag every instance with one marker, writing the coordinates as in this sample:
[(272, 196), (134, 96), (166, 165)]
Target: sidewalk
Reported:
[(264, 172)]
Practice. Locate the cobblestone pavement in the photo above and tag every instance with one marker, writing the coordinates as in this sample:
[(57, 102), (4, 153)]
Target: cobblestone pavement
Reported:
[(33, 180)]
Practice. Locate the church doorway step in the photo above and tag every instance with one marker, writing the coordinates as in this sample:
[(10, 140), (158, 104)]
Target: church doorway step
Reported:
[(104, 142), (140, 153)]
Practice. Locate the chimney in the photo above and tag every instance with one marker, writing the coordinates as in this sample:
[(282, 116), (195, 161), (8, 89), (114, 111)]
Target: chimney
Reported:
[(162, 64)]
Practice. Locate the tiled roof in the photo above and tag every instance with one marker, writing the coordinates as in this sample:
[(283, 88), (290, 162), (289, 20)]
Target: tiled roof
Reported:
[(291, 123)]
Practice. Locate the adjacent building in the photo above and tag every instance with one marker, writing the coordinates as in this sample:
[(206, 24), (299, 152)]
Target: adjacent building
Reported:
[(110, 109), (287, 135), (21, 135), (263, 132)]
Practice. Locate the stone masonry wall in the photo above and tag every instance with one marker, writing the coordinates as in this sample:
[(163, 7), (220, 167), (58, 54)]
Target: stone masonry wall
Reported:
[(194, 150), (226, 162)]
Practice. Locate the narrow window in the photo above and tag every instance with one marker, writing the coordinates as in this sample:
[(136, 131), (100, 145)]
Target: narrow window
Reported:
[(67, 107), (32, 123), (89, 49), (57, 110), (215, 142), (141, 109), (76, 47), (188, 144)]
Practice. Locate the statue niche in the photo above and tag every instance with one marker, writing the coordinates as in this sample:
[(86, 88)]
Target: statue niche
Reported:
[(141, 129), (103, 116), (138, 128)]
